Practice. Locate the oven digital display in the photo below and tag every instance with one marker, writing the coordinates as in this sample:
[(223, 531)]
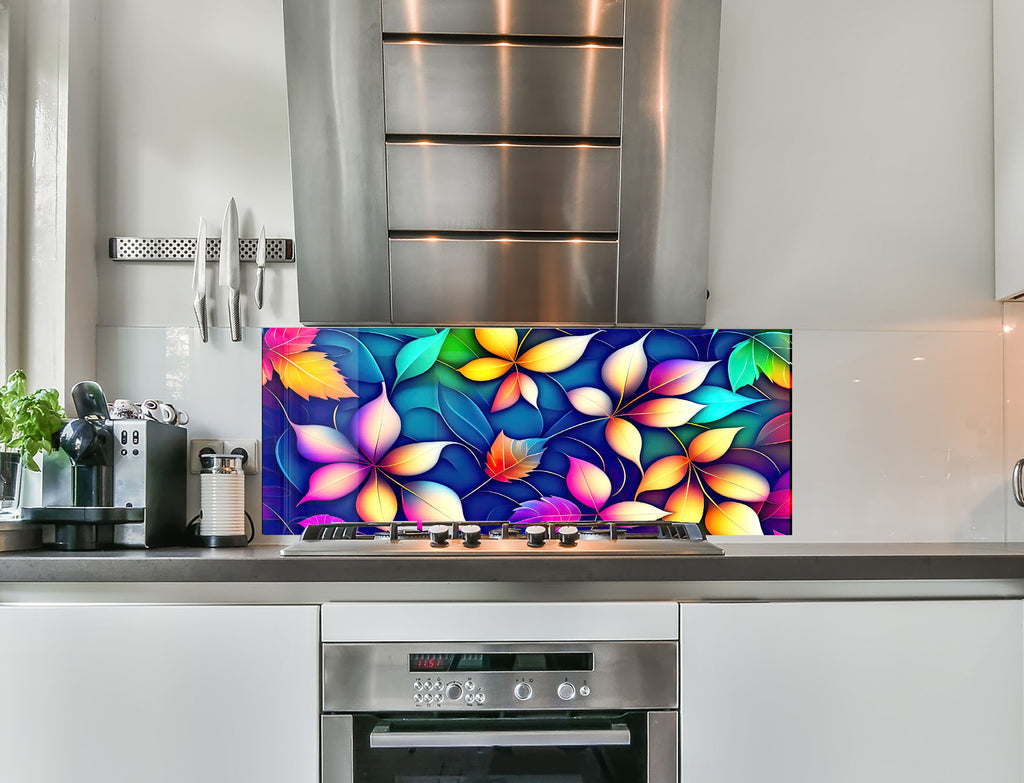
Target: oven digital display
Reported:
[(502, 662)]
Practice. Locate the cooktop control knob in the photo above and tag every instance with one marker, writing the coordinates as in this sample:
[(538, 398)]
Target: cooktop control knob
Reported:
[(438, 535), (453, 691), (566, 691), (470, 535), (535, 535), (522, 691), (568, 535)]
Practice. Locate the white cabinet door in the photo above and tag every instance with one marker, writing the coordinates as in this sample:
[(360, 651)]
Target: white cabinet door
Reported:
[(1008, 119), (159, 694), (852, 692)]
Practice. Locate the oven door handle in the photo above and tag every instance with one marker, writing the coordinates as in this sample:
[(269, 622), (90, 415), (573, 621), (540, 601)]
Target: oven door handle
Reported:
[(382, 737)]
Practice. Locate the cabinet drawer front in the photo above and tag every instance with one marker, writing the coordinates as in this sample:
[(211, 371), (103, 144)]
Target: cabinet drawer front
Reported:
[(502, 89), (504, 17), (481, 281), (498, 187)]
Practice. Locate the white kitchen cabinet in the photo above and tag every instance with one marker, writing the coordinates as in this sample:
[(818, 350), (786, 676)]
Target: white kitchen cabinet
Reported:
[(159, 694), (1008, 151), (848, 692)]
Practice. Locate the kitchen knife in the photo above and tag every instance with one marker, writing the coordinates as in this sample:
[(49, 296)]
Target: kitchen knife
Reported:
[(229, 275), (199, 281), (261, 261)]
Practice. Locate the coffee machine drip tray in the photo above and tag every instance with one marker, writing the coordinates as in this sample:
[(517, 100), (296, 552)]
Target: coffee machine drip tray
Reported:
[(83, 527)]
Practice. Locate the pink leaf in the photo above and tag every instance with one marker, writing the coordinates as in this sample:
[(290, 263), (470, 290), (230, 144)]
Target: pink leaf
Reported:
[(320, 519), (776, 431), (632, 511), (267, 369), (376, 427), (678, 376), (320, 443), (588, 483), (335, 481), (287, 341)]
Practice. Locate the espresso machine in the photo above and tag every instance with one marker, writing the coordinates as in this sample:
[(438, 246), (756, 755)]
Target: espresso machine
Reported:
[(112, 483)]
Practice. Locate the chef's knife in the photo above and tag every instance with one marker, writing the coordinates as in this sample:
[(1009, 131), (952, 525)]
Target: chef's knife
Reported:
[(229, 275), (199, 281), (261, 261)]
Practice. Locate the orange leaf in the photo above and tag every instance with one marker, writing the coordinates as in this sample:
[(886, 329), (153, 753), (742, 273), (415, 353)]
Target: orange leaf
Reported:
[(486, 369), (625, 439), (511, 459), (712, 444), (664, 473), (508, 393), (686, 503), (732, 519), (736, 482), (311, 374)]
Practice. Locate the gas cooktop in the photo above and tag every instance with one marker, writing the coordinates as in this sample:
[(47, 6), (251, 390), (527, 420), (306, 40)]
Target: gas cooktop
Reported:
[(487, 538)]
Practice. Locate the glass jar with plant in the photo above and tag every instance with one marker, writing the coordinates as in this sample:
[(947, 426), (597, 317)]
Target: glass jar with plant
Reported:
[(28, 422)]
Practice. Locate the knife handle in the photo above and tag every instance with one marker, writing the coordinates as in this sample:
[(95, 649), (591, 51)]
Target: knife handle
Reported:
[(258, 293), (199, 306), (234, 317)]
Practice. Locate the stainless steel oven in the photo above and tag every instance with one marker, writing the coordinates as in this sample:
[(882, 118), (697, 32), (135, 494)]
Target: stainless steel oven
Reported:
[(517, 712)]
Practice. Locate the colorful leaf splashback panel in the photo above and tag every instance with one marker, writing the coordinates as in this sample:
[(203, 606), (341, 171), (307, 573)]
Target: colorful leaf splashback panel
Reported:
[(496, 424)]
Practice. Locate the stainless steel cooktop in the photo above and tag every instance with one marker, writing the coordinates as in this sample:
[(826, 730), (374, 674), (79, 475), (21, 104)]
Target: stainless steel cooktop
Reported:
[(469, 539)]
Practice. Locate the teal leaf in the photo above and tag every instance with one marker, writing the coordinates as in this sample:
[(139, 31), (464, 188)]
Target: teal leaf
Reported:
[(742, 365), (418, 356), (465, 418), (341, 346), (718, 403)]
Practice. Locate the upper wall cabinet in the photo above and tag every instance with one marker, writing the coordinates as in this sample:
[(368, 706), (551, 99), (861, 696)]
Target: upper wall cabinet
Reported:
[(1008, 108), (488, 161)]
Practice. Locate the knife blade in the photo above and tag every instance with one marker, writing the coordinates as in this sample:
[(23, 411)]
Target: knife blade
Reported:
[(261, 262), (199, 282), (229, 274)]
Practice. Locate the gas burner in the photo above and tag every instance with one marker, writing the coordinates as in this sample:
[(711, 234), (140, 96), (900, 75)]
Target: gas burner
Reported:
[(500, 539)]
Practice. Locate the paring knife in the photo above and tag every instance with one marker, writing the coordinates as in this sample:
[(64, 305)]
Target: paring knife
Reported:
[(229, 275), (199, 281), (261, 262)]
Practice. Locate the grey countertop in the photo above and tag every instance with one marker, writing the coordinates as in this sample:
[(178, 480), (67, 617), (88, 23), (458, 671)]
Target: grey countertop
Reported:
[(742, 562)]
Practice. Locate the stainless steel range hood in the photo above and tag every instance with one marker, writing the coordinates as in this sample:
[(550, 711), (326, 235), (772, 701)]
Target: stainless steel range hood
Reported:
[(502, 161)]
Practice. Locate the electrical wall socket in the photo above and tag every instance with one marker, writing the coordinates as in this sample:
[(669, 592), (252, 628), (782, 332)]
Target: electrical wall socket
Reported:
[(199, 445), (250, 450)]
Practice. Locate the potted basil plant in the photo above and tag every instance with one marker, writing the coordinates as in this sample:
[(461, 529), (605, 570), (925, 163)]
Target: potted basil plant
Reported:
[(28, 423)]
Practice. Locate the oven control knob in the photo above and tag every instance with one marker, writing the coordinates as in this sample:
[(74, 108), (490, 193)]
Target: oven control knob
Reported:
[(470, 535), (535, 535), (438, 535), (566, 691), (522, 691), (584, 690), (453, 691), (568, 535)]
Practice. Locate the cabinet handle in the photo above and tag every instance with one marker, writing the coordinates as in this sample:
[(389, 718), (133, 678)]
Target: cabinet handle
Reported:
[(382, 737), (1018, 487)]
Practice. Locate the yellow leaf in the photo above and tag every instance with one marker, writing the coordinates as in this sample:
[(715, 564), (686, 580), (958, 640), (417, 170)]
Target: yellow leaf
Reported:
[(485, 369), (376, 503), (664, 473), (529, 389), (501, 341), (712, 444), (736, 482), (590, 401), (664, 412), (686, 503), (624, 370), (555, 355), (732, 519), (311, 374), (625, 439), (413, 458)]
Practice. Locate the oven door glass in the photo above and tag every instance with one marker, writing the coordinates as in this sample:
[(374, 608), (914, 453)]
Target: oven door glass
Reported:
[(606, 748)]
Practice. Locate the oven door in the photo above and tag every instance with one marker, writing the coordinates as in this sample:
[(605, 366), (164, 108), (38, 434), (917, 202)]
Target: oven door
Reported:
[(630, 747)]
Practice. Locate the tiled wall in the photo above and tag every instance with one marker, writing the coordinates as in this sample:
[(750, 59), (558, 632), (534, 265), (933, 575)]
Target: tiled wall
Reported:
[(852, 202)]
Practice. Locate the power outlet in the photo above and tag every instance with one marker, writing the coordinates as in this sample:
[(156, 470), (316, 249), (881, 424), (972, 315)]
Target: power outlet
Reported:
[(199, 446), (249, 449)]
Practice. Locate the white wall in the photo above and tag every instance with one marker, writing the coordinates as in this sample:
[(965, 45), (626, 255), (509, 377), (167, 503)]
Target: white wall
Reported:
[(852, 202)]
